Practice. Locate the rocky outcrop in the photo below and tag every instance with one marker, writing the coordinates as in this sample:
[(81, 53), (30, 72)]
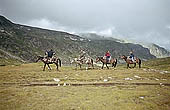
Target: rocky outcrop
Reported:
[(158, 51)]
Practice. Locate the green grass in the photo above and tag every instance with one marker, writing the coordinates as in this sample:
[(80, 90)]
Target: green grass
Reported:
[(15, 95), (9, 61), (160, 63)]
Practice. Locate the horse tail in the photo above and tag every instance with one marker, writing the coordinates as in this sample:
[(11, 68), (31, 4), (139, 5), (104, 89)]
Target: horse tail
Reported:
[(59, 62), (140, 62), (92, 61), (115, 63)]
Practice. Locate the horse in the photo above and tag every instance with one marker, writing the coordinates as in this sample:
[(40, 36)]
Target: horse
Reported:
[(113, 61), (87, 61), (47, 61), (129, 61)]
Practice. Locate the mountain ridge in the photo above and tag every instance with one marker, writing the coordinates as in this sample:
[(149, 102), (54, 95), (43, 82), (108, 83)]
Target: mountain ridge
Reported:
[(27, 42), (154, 49)]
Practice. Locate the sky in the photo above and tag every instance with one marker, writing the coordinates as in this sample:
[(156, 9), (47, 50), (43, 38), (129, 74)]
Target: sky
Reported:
[(134, 20)]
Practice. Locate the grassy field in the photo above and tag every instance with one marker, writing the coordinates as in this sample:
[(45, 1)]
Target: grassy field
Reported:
[(27, 87)]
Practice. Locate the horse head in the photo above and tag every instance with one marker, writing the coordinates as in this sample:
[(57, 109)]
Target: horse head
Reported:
[(98, 59), (39, 58), (123, 57)]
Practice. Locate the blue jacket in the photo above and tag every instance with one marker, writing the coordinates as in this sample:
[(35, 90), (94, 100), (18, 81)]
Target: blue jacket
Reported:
[(50, 54), (131, 55)]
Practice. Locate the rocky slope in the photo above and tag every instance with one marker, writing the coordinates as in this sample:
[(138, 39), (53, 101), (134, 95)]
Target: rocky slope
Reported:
[(25, 43), (154, 49), (158, 51)]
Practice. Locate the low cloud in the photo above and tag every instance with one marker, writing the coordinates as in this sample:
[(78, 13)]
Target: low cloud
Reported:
[(140, 20), (45, 23), (168, 27), (131, 35)]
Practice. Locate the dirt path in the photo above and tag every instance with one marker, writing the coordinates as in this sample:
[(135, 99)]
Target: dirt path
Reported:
[(85, 84)]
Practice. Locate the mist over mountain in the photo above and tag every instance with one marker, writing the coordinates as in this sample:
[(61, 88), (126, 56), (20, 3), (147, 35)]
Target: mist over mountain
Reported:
[(146, 20)]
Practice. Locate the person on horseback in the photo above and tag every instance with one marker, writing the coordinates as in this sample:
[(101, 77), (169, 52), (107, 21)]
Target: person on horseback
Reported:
[(82, 55), (50, 54), (132, 57), (108, 56)]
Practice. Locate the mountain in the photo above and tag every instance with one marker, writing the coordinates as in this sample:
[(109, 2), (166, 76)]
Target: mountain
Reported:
[(154, 49), (24, 43), (158, 51)]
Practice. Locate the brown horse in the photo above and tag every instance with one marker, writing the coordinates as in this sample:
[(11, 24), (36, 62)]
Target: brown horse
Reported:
[(129, 61), (47, 61), (113, 61), (87, 61)]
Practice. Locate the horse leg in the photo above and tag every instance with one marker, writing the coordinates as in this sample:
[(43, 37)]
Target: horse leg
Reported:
[(127, 65), (87, 67), (107, 66), (44, 67), (49, 66), (92, 65), (102, 65), (80, 66), (140, 63), (56, 66), (134, 65), (76, 66), (113, 65)]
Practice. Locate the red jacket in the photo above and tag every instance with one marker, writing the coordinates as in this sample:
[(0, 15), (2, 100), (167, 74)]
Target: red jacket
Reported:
[(107, 54)]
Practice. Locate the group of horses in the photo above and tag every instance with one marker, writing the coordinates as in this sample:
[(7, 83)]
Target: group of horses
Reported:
[(88, 61)]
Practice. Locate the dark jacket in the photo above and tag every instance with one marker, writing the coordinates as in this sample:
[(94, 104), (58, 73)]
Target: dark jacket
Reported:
[(50, 54)]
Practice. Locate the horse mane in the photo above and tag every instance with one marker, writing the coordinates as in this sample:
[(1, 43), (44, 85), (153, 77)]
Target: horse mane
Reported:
[(100, 57), (39, 56)]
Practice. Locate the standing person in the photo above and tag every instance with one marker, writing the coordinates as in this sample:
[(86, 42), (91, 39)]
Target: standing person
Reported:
[(132, 56), (108, 56)]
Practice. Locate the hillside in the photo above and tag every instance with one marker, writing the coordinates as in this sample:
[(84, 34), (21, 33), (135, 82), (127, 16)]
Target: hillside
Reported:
[(154, 49), (25, 43), (159, 63)]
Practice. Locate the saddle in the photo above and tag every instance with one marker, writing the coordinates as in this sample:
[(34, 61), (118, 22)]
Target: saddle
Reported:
[(132, 60), (108, 60), (51, 60), (81, 59)]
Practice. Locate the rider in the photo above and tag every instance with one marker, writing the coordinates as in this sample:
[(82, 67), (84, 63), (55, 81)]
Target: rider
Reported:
[(132, 56), (82, 55), (108, 56), (50, 54)]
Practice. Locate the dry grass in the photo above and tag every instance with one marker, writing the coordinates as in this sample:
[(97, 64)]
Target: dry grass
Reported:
[(13, 95)]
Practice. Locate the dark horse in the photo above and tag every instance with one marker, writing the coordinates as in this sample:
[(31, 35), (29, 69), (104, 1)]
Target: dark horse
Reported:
[(113, 61), (47, 61), (129, 61)]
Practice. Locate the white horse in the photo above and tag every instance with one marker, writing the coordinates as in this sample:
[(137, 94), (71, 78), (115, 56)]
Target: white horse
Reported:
[(87, 61)]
